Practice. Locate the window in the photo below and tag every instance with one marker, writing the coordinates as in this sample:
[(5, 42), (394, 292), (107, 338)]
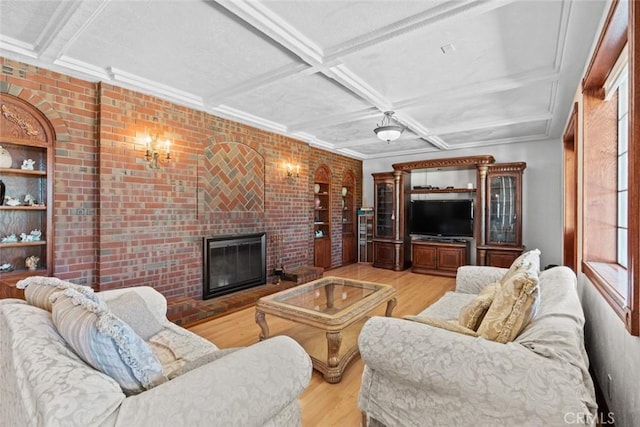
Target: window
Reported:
[(610, 214), (623, 175)]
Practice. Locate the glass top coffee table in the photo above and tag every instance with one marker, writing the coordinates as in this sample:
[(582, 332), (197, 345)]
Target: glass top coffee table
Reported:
[(328, 313)]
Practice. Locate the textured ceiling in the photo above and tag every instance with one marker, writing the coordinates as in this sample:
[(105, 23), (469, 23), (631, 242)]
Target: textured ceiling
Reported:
[(325, 71)]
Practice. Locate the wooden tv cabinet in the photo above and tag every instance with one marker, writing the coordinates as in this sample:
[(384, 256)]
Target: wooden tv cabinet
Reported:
[(439, 257)]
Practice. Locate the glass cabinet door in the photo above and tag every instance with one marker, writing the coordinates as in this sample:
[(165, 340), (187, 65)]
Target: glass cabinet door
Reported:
[(384, 210), (502, 216)]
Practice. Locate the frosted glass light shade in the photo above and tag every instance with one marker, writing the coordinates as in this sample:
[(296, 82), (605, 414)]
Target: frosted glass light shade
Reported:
[(388, 133)]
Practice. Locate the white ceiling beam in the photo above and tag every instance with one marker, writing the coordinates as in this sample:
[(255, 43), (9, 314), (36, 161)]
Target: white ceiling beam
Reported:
[(437, 15), (67, 25), (270, 24), (480, 125), (337, 119), (501, 84), (257, 82)]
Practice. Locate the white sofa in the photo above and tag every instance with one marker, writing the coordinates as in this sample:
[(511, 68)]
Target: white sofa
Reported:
[(44, 383), (420, 375)]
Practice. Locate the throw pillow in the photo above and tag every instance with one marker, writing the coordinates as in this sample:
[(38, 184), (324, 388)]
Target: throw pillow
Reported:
[(105, 342), (38, 289), (471, 315), (526, 261), (449, 325), (512, 309), (131, 308)]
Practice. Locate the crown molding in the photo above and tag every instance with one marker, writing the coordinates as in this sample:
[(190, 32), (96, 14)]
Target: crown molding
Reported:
[(155, 88), (264, 20)]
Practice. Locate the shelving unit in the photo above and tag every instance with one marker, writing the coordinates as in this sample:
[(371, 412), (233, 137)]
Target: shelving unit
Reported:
[(322, 217), (365, 237), (393, 192), (25, 134), (348, 214)]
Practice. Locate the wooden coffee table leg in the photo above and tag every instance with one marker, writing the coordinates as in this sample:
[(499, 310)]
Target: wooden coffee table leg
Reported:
[(391, 304), (334, 340), (264, 328)]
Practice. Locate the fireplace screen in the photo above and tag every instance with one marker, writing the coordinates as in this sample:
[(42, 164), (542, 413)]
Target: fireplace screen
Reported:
[(232, 263)]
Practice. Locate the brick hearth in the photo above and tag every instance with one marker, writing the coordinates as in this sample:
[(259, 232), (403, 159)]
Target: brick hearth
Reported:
[(186, 311)]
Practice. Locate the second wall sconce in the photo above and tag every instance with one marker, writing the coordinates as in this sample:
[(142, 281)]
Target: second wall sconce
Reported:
[(293, 173), (157, 150)]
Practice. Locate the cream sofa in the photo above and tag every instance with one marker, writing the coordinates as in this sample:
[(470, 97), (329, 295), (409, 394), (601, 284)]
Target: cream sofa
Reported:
[(44, 383), (420, 375)]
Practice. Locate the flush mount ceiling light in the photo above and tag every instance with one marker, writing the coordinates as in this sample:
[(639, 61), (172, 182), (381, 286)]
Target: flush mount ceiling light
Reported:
[(389, 129)]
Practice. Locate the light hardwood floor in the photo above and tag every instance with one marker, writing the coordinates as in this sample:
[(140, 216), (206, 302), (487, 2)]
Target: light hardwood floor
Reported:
[(325, 404)]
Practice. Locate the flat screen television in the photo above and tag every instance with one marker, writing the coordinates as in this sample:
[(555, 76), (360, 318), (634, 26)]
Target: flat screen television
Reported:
[(448, 218)]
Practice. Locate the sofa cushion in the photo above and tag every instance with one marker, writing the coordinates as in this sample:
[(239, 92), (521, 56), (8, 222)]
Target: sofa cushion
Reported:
[(179, 350), (449, 325), (38, 289), (526, 261), (131, 308), (471, 315), (42, 381), (448, 306), (512, 309), (105, 342)]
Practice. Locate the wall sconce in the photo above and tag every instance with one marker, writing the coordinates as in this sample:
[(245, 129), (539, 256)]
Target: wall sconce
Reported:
[(153, 153), (293, 173)]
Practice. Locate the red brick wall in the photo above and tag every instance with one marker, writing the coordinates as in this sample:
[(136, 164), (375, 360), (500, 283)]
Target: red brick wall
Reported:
[(119, 223)]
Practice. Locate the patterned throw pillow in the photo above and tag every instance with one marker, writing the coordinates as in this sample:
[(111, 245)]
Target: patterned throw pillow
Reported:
[(526, 261), (131, 308), (471, 315), (449, 325), (512, 309), (38, 289), (105, 342)]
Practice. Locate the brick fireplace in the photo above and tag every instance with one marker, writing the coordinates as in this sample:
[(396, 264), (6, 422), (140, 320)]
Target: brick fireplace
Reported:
[(120, 224), (233, 263)]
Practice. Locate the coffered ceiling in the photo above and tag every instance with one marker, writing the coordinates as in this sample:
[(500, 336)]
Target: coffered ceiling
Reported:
[(458, 74)]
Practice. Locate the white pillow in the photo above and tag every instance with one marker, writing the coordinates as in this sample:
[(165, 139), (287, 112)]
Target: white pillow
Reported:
[(105, 342), (38, 289)]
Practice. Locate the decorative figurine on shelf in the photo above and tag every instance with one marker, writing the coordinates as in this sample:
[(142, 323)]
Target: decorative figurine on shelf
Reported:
[(10, 201), (27, 164), (31, 262), (319, 233), (6, 267), (11, 238), (29, 200), (5, 158), (34, 236)]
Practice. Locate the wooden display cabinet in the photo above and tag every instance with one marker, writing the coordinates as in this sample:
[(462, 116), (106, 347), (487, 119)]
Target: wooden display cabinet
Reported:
[(26, 134), (503, 215), (390, 240), (322, 217)]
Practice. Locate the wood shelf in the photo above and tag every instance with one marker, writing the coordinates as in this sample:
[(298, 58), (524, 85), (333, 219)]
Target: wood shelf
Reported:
[(441, 190), (15, 171), (23, 208), (23, 244)]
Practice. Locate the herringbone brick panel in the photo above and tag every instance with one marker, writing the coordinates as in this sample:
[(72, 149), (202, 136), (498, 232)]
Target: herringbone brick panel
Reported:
[(236, 176)]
